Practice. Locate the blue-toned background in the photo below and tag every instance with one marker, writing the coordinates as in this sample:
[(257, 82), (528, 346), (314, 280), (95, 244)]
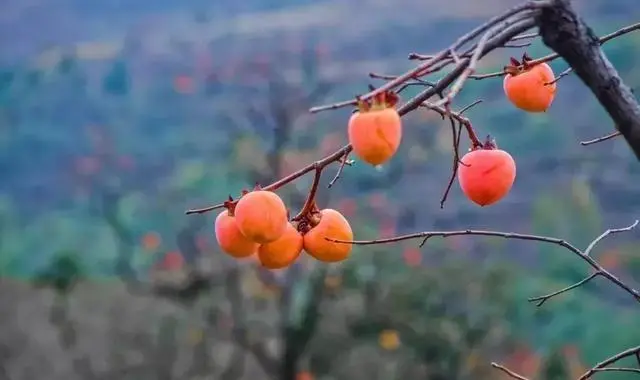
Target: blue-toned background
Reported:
[(116, 117)]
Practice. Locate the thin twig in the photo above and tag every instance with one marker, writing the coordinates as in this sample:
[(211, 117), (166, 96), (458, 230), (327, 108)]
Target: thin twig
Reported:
[(508, 372), (542, 299), (553, 56), (619, 356), (601, 139), (471, 68), (468, 107), (455, 138), (423, 67), (345, 161), (426, 235), (321, 164), (560, 76), (618, 369)]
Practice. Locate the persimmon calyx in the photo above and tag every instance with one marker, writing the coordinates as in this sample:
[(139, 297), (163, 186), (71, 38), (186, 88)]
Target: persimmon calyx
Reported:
[(230, 205), (309, 220), (516, 67), (488, 144), (383, 100)]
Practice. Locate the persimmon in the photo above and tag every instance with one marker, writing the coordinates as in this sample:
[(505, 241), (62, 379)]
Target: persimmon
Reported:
[(486, 173), (328, 223), (375, 130), (261, 216), (230, 239), (529, 87), (282, 252)]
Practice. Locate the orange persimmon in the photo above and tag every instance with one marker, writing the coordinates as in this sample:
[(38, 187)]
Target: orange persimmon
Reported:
[(486, 174), (375, 130), (330, 224), (261, 216), (230, 239), (282, 252), (530, 87)]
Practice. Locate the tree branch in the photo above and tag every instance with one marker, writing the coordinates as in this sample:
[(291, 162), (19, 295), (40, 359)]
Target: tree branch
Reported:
[(584, 255), (624, 354), (568, 35)]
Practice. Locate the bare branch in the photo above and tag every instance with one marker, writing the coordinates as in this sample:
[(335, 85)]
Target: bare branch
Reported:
[(601, 139), (560, 76), (618, 369), (584, 255), (423, 68), (554, 56), (508, 372), (615, 358), (344, 161), (321, 164), (542, 299)]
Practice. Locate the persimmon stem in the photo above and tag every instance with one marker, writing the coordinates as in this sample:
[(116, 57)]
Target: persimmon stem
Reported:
[(311, 197)]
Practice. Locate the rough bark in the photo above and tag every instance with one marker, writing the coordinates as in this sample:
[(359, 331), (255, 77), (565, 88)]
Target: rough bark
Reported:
[(568, 35)]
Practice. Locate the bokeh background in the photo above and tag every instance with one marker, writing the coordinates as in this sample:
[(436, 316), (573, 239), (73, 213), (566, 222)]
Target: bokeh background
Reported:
[(117, 116)]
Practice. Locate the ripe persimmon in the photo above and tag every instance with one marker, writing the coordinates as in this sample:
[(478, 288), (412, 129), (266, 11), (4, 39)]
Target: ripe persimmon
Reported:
[(230, 239), (328, 223), (282, 252), (375, 130), (261, 216), (529, 87), (486, 173)]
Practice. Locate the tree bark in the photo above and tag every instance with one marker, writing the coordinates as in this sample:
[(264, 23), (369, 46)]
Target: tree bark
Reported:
[(568, 35)]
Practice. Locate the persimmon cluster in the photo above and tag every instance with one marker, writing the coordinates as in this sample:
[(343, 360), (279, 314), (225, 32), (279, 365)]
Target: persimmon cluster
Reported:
[(259, 224), (486, 173)]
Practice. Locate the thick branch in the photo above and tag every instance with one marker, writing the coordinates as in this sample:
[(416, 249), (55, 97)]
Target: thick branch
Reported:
[(568, 35)]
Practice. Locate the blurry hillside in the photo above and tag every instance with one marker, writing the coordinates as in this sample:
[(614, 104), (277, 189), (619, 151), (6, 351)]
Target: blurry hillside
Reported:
[(116, 116), (29, 26)]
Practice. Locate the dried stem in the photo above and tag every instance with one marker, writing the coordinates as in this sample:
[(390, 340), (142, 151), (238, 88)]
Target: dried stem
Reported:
[(311, 198), (601, 139), (584, 255)]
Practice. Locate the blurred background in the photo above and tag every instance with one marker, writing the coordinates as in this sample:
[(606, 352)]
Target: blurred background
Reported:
[(117, 116)]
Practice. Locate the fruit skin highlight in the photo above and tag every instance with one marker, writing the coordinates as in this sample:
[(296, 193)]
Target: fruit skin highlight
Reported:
[(230, 239), (261, 216), (329, 223), (529, 87), (282, 252), (375, 130), (486, 174)]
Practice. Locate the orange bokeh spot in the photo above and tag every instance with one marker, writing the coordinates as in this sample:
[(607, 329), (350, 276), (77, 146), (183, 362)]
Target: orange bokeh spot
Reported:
[(151, 241), (172, 261), (412, 257)]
